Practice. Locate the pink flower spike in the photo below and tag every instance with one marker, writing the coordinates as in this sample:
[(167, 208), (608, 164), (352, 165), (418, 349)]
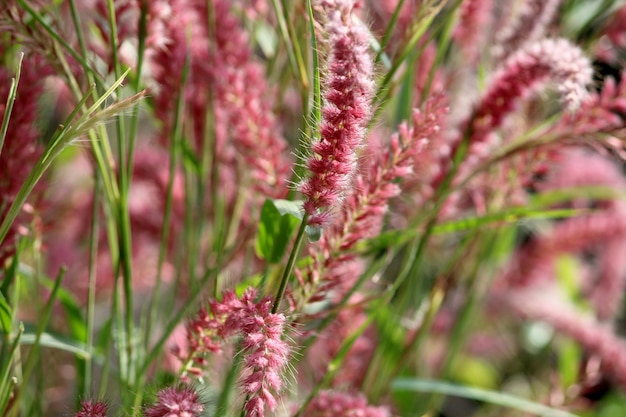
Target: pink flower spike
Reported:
[(90, 408), (173, 402), (555, 61), (345, 113), (265, 354)]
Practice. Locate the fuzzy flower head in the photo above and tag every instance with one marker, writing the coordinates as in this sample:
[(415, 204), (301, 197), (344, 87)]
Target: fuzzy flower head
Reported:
[(173, 402), (90, 408), (265, 354), (345, 113), (554, 61)]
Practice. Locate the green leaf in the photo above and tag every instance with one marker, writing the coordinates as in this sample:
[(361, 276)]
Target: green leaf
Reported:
[(278, 222), (492, 397), (6, 315)]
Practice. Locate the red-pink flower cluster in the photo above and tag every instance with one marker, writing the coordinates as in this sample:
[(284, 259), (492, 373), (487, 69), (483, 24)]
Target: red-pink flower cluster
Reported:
[(265, 353), (378, 180), (345, 113), (338, 404), (176, 402), (90, 408), (554, 61), (602, 112), (224, 80)]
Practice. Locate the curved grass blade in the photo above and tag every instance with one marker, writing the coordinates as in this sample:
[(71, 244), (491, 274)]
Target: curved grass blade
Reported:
[(492, 397)]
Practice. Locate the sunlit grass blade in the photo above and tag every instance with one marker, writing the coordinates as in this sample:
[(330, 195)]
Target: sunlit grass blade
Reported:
[(50, 340), (68, 132), (10, 101), (478, 394), (6, 382)]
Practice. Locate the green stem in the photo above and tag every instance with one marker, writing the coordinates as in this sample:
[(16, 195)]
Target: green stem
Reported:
[(91, 297), (34, 351), (290, 263), (10, 100), (389, 31)]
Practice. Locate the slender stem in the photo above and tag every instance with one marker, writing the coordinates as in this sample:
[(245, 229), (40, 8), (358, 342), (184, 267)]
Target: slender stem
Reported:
[(10, 100), (304, 79), (34, 351), (316, 111), (290, 263), (91, 297), (389, 30)]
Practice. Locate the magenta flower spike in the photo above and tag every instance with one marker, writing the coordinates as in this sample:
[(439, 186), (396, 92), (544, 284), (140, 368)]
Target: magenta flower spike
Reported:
[(265, 353), (345, 113), (555, 61), (176, 402)]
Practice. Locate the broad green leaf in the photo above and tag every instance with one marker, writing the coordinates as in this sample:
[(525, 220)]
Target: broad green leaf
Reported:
[(478, 394), (276, 227)]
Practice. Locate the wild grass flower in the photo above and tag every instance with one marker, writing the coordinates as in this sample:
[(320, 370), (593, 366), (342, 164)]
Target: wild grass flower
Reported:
[(176, 402), (442, 189), (555, 61), (265, 353), (381, 178), (224, 80), (345, 113), (91, 408), (601, 112)]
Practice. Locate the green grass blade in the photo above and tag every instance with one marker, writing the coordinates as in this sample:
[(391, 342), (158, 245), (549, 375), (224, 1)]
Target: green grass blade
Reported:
[(7, 383), (478, 394), (53, 341), (316, 111), (10, 100)]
